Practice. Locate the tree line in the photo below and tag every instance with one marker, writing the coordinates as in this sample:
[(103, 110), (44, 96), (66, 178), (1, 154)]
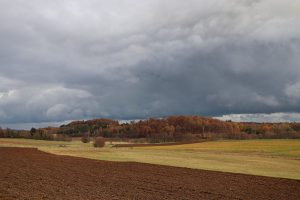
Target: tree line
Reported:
[(169, 129)]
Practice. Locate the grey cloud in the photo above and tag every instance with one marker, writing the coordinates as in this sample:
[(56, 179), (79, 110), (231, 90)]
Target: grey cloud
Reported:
[(62, 60), (49, 103)]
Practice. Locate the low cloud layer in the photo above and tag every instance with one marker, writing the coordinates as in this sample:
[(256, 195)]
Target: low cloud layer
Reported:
[(62, 60), (259, 117)]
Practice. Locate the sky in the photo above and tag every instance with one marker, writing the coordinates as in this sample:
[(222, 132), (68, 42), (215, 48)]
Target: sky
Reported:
[(64, 60)]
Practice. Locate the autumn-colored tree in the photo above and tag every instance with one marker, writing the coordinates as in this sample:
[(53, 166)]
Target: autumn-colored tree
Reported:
[(99, 142), (85, 138)]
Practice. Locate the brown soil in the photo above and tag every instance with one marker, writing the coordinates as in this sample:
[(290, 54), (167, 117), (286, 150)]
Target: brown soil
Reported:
[(32, 174)]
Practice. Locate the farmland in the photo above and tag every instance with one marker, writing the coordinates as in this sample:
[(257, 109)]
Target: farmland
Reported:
[(274, 158), (31, 174)]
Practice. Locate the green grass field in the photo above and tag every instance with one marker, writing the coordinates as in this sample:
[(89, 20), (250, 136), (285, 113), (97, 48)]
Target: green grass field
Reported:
[(275, 158)]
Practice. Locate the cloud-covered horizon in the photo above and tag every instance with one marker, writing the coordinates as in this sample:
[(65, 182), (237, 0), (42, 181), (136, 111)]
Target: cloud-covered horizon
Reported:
[(63, 60)]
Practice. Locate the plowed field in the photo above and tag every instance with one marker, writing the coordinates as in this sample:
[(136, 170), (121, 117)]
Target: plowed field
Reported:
[(31, 174)]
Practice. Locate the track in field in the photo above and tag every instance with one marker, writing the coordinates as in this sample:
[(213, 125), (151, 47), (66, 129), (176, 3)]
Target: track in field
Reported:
[(32, 174)]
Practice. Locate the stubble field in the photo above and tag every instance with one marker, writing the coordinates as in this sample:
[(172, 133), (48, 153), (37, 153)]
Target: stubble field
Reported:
[(274, 158)]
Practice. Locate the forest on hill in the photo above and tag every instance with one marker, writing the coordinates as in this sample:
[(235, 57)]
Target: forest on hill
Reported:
[(169, 129)]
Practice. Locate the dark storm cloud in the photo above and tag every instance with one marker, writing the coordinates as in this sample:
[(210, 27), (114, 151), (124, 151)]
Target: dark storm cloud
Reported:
[(62, 60)]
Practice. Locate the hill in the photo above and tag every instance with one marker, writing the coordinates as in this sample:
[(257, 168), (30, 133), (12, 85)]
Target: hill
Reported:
[(168, 129)]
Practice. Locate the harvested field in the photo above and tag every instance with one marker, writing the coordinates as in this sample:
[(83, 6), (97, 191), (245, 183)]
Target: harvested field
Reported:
[(31, 174)]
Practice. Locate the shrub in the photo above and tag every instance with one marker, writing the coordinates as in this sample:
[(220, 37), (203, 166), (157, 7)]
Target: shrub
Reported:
[(99, 142), (85, 138)]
